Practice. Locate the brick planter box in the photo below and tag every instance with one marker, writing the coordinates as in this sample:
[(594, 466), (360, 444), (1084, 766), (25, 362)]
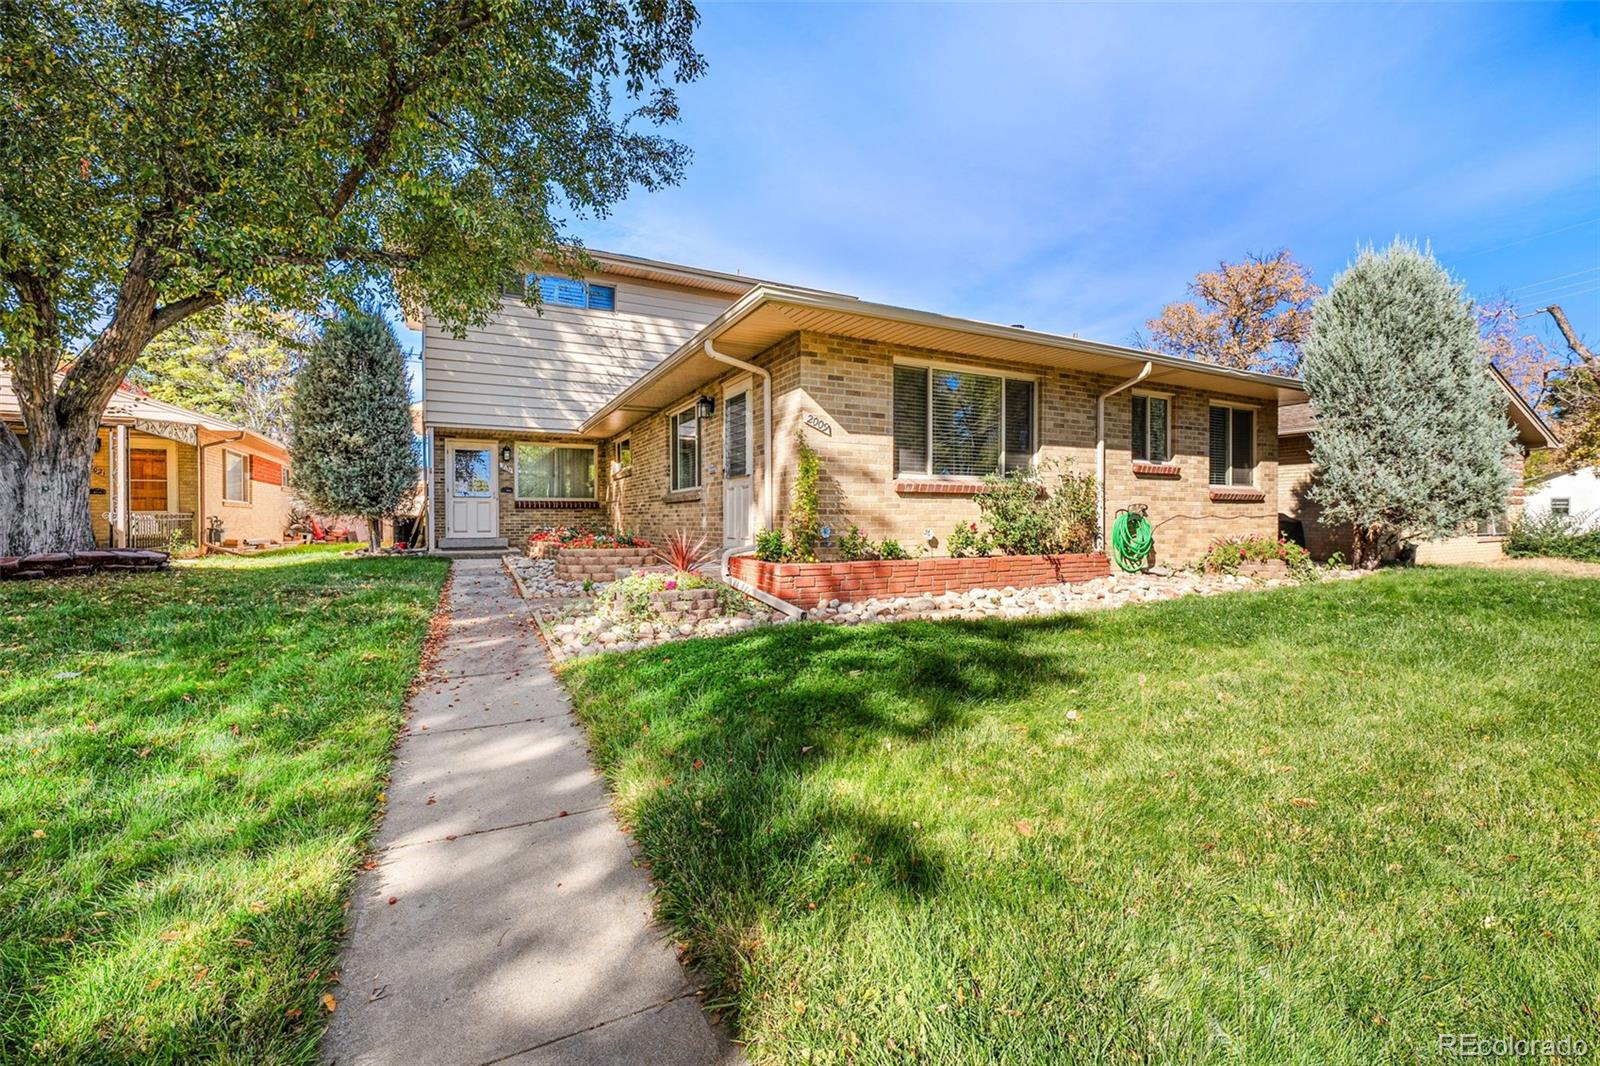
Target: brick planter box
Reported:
[(808, 584), (594, 564)]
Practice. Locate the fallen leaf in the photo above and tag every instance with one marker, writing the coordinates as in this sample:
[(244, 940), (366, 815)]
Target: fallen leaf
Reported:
[(699, 764), (293, 1012), (329, 1003), (1302, 801), (1024, 827), (393, 900)]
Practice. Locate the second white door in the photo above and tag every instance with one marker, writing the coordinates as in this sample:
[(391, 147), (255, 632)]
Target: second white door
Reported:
[(738, 485)]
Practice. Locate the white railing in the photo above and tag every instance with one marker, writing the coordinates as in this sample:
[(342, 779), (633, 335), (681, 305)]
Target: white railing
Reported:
[(154, 529)]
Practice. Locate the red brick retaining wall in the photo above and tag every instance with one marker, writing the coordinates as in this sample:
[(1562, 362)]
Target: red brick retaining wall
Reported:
[(808, 584)]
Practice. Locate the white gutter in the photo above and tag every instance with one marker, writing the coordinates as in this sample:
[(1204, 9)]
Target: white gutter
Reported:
[(767, 495), (1100, 443), (750, 590)]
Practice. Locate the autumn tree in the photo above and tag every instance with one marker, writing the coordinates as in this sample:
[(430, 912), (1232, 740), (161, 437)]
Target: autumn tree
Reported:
[(1576, 396), (1519, 353), (1411, 438), (237, 362), (157, 160), (353, 451), (1251, 315)]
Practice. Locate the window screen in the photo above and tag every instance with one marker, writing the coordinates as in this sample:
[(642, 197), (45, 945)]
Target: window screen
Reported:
[(910, 420), (685, 450), (1232, 444), (549, 472), (235, 477), (1019, 424), (736, 436)]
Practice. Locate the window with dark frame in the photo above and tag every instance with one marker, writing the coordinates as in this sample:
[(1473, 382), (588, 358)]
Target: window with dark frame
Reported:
[(563, 292), (1561, 506), (958, 424), (623, 453), (685, 450), (1152, 428), (1232, 446)]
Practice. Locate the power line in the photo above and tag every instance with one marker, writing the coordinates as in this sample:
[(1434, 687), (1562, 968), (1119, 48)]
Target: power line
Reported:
[(1530, 237)]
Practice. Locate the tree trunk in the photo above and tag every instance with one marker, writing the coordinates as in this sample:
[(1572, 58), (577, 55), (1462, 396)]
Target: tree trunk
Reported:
[(49, 487), (1366, 547)]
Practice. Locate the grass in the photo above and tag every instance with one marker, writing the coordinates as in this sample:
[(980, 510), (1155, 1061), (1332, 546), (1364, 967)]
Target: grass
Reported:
[(1314, 825), (190, 765)]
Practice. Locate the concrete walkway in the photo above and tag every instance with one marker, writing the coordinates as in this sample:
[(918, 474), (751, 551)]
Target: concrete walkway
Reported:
[(505, 921)]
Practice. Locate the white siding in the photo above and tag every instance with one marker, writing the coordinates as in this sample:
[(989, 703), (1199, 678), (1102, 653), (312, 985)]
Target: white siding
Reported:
[(1580, 488), (550, 371)]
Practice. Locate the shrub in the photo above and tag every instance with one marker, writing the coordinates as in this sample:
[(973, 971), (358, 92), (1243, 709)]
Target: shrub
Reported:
[(681, 553), (1556, 536), (968, 540), (891, 549), (805, 524), (1027, 519), (854, 546), (629, 597), (772, 546), (1225, 556)]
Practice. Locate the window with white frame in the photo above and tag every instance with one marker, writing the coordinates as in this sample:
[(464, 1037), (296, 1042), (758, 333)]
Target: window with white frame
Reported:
[(1152, 427), (622, 454), (235, 477), (685, 427), (555, 472), (955, 423), (1232, 445)]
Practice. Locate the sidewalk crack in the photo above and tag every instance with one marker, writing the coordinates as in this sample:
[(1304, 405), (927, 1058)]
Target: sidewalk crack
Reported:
[(591, 1028)]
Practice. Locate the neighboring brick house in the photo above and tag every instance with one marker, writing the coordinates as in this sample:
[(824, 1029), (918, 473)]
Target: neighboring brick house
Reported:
[(1303, 515), (639, 400), (161, 472)]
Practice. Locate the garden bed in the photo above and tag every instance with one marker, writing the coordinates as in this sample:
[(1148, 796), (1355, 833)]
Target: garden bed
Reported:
[(808, 584)]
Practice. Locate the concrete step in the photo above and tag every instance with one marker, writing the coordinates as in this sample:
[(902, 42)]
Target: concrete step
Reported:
[(472, 543)]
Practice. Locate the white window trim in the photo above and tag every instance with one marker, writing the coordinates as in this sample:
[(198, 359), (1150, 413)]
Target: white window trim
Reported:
[(1155, 394), (672, 449), (516, 471), (1255, 444), (979, 371), (247, 493), (618, 466)]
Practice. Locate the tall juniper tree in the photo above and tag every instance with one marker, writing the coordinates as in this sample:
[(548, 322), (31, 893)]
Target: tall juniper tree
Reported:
[(353, 451), (1412, 436), (159, 159)]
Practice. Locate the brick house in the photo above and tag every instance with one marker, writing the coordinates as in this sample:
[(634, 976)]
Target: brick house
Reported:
[(162, 473), (641, 398), (1297, 473)]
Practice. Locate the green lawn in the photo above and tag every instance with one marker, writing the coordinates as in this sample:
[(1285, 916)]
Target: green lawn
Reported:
[(1314, 825), (190, 764)]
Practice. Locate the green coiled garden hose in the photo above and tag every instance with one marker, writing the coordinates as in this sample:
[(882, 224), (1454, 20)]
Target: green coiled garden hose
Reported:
[(1132, 540)]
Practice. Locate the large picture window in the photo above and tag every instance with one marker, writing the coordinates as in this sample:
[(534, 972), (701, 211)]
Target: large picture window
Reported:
[(1152, 428), (954, 423), (1232, 446), (685, 450), (555, 472)]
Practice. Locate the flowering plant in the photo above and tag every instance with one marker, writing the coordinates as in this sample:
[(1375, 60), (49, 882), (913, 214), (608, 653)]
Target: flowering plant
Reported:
[(568, 537)]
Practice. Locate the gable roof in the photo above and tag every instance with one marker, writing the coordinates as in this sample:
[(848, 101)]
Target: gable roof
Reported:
[(129, 405), (1532, 431), (768, 313)]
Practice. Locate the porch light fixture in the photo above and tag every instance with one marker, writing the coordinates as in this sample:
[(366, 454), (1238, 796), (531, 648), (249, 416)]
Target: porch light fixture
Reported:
[(704, 407), (505, 454)]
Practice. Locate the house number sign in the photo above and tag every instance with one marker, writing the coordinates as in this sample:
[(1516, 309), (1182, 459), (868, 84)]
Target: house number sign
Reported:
[(819, 425)]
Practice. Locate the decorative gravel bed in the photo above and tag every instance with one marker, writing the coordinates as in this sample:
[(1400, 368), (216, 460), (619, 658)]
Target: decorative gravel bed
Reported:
[(575, 629), (536, 580)]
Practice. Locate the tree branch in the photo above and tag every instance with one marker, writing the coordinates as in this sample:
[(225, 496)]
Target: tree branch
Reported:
[(1590, 361), (168, 315)]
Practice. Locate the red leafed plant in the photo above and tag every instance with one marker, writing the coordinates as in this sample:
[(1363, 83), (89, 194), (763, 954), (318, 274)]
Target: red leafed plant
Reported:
[(682, 554)]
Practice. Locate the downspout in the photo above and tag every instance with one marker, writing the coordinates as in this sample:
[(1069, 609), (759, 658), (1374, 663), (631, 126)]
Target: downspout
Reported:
[(1100, 442), (767, 493)]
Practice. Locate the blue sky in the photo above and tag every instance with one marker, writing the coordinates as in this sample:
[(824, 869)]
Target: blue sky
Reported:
[(1070, 168)]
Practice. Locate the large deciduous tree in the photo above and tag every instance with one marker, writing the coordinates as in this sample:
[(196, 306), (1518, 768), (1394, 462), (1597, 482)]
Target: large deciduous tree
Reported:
[(1412, 435), (159, 159), (237, 362), (1252, 315), (353, 451)]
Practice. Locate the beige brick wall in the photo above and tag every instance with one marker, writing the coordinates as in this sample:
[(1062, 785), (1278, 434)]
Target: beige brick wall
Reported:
[(848, 384), (640, 499), (266, 513), (516, 522)]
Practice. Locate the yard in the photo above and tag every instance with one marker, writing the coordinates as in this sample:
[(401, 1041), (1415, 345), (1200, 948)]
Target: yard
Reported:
[(1318, 825), (190, 764)]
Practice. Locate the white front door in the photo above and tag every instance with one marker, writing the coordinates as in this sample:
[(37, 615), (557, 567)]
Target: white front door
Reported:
[(470, 481), (738, 486)]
